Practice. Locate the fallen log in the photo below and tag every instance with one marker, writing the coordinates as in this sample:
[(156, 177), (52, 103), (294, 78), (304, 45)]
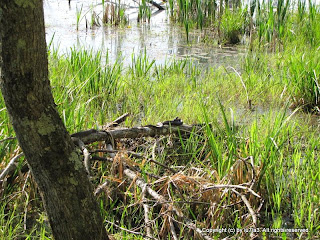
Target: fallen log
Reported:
[(92, 135)]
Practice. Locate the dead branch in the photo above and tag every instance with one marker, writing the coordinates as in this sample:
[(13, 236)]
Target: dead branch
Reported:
[(7, 139), (146, 213), (130, 153), (207, 188), (100, 188), (116, 122), (92, 135), (251, 164), (10, 167), (162, 200), (172, 229), (251, 211), (86, 154), (153, 3), (156, 5), (246, 202)]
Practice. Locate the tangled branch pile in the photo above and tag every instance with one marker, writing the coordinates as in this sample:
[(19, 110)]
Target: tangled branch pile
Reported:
[(156, 181)]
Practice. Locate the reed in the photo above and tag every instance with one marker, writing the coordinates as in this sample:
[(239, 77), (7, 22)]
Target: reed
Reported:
[(144, 13), (79, 12), (303, 80), (114, 14)]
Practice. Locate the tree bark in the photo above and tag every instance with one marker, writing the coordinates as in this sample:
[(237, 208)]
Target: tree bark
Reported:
[(53, 159)]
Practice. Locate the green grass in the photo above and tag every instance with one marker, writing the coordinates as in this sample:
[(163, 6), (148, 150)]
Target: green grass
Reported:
[(283, 146)]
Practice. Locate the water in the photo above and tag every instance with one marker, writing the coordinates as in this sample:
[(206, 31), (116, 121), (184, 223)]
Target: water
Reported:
[(159, 38)]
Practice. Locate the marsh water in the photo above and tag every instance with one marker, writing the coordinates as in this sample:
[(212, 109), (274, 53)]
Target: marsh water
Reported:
[(161, 39)]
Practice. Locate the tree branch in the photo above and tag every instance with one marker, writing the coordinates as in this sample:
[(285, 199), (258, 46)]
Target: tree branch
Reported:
[(92, 135), (10, 167)]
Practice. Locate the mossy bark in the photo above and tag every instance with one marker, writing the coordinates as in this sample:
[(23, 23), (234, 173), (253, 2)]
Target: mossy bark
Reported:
[(55, 163)]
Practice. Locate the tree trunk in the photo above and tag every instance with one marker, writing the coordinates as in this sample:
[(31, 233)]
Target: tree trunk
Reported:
[(55, 162)]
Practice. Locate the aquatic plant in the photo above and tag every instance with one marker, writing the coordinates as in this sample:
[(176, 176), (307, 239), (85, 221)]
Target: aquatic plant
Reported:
[(114, 14), (303, 80), (144, 13), (79, 12), (140, 65), (301, 9), (232, 25)]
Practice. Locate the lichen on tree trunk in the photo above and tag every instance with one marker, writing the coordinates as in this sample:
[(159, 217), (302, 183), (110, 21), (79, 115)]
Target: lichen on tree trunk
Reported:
[(55, 162)]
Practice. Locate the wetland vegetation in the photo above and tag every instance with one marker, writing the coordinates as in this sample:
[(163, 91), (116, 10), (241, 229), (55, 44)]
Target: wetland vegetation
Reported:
[(260, 132)]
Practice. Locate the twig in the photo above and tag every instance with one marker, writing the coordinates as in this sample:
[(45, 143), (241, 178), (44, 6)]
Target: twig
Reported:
[(162, 200), (116, 122), (170, 218), (252, 213), (230, 186), (10, 167), (101, 158), (246, 202), (162, 165), (130, 153), (146, 213), (156, 5), (133, 154), (251, 164), (173, 231), (27, 202), (100, 188), (154, 194), (86, 154), (7, 139)]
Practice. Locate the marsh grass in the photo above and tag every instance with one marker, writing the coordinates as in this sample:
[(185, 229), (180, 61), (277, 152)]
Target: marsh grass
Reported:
[(303, 79), (232, 25), (114, 13), (78, 12), (144, 13), (284, 150)]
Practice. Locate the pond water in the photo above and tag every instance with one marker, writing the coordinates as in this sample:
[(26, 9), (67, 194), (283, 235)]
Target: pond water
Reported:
[(159, 38)]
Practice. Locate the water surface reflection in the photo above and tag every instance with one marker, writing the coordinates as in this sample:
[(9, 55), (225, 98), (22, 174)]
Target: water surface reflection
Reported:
[(159, 38)]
